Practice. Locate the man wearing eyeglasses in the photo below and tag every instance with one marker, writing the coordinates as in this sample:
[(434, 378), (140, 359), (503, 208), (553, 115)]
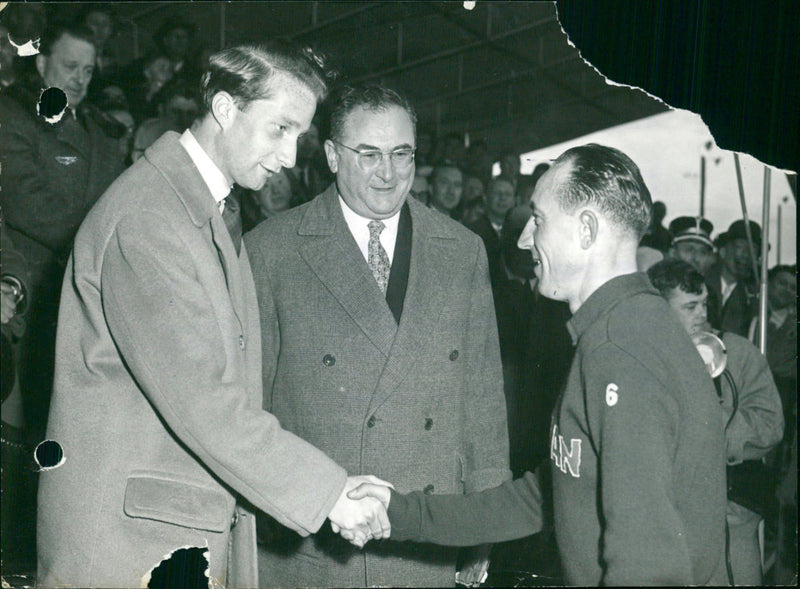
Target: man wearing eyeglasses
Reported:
[(380, 344)]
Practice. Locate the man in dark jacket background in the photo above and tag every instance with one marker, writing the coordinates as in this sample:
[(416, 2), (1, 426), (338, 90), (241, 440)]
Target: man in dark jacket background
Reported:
[(53, 172)]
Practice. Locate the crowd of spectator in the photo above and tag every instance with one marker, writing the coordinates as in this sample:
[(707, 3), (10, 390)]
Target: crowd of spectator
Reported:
[(116, 111)]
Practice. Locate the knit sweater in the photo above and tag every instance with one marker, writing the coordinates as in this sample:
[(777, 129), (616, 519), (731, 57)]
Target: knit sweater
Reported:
[(637, 453)]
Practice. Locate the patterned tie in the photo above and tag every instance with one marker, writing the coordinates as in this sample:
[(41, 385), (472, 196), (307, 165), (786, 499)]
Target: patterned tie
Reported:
[(378, 260), (233, 221)]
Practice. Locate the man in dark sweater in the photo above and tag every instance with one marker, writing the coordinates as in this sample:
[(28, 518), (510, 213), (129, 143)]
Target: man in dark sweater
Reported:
[(637, 448)]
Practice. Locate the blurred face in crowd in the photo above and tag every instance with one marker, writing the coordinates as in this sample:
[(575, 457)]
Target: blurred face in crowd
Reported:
[(499, 198), (373, 192), (446, 188), (158, 72), (695, 253), (176, 43), (101, 27), (736, 257), (692, 309), (782, 290), (474, 211), (69, 66), (419, 188), (276, 194), (260, 138), (473, 189), (553, 237), (182, 111)]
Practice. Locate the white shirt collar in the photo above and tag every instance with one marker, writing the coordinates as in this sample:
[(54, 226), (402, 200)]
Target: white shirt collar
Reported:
[(359, 227), (727, 289), (212, 175)]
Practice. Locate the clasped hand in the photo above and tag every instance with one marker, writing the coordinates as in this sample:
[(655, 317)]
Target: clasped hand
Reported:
[(359, 514)]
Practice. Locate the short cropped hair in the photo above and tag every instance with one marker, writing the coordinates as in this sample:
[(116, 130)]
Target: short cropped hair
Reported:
[(247, 72), (373, 97), (177, 86), (496, 180), (668, 275), (57, 30), (609, 180), (443, 165), (775, 270)]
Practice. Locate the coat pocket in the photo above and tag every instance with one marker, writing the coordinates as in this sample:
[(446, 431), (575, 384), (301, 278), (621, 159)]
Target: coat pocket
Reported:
[(178, 502)]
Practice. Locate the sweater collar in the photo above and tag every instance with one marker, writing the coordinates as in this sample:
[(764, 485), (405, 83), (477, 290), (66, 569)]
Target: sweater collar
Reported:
[(604, 298)]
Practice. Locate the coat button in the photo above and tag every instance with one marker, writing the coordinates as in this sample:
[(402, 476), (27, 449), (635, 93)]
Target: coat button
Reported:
[(428, 423), (328, 360), (428, 489), (371, 421), (454, 355), (241, 342), (234, 519)]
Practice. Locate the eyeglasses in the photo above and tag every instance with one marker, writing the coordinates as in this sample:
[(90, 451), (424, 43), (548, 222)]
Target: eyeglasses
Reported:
[(369, 159)]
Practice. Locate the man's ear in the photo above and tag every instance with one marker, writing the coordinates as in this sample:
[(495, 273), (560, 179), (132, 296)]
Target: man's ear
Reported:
[(331, 155), (589, 225), (224, 109)]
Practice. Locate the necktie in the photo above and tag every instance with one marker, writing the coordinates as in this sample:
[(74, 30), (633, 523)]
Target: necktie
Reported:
[(233, 221), (378, 260)]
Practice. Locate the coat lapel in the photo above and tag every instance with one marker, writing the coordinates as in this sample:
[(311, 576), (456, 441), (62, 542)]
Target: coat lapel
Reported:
[(169, 156), (434, 249), (332, 254)]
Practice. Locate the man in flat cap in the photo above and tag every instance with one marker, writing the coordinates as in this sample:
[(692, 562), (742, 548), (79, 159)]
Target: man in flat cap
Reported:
[(691, 242), (731, 280)]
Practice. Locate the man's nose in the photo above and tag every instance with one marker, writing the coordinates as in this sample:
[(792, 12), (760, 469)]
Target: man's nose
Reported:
[(385, 169), (525, 241), (82, 77), (287, 153)]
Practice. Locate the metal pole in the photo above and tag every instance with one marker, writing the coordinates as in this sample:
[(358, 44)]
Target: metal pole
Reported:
[(762, 310), (702, 186), (778, 236), (750, 246)]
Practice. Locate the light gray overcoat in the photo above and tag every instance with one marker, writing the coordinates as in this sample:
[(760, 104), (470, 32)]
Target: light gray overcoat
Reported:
[(157, 400), (420, 404)]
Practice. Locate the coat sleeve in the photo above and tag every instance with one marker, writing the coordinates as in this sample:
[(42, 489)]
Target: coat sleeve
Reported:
[(154, 302), (507, 512), (757, 425), (485, 432), (634, 420)]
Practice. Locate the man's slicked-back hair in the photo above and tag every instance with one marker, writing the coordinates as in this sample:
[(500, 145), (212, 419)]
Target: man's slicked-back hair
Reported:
[(609, 180), (248, 72), (58, 29), (372, 97), (667, 275)]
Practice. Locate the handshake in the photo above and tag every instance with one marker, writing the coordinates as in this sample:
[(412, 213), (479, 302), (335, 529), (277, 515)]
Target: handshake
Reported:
[(359, 514)]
